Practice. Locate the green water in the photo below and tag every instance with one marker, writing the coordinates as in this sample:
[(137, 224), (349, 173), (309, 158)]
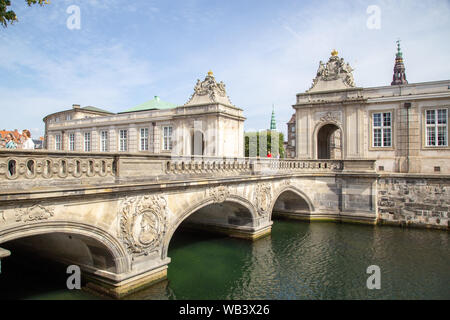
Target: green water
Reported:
[(297, 261)]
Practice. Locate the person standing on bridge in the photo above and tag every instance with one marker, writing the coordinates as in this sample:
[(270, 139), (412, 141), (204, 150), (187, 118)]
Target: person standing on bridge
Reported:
[(10, 144), (28, 144)]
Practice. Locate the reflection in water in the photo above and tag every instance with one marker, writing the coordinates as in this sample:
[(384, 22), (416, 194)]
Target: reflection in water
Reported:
[(297, 261)]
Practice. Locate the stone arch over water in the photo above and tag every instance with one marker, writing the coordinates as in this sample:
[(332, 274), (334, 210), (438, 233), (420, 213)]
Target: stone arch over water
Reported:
[(215, 214), (68, 242), (291, 202)]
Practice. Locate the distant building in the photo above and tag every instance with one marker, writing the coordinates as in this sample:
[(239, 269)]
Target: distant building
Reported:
[(290, 144), (208, 124), (39, 143)]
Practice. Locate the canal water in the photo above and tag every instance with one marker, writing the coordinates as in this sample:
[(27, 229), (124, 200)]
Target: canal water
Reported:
[(297, 261)]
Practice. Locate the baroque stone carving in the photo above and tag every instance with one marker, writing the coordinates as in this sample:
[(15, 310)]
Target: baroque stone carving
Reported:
[(215, 92), (330, 117), (143, 223), (219, 194), (333, 70), (263, 195), (34, 213)]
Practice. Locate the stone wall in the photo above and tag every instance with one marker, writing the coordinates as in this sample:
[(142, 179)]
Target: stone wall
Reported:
[(414, 200)]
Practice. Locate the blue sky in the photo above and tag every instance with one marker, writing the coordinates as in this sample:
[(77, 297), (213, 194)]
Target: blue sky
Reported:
[(265, 52)]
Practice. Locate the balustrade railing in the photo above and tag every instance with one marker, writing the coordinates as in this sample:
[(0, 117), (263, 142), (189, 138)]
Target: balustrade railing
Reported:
[(44, 165)]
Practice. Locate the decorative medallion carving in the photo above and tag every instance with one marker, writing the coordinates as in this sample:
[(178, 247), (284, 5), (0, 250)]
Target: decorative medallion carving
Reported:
[(219, 194), (263, 194), (34, 213), (143, 223)]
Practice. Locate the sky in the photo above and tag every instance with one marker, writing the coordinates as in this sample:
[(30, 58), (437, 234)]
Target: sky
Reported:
[(127, 52)]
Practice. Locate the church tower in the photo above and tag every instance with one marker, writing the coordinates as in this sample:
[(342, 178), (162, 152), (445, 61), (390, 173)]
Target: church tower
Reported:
[(273, 124), (399, 77)]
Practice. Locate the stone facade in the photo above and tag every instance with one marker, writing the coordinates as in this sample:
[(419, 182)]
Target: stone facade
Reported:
[(404, 127), (208, 124), (291, 135), (414, 200)]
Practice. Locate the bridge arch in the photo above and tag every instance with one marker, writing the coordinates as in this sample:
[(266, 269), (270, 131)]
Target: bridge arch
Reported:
[(291, 198), (108, 242), (232, 201)]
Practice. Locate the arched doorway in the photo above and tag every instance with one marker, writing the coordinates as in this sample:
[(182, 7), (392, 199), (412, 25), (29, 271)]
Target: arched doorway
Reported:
[(329, 142), (197, 143)]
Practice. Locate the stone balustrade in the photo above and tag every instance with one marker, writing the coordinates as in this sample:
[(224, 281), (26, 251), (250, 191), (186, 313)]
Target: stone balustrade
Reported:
[(23, 165), (31, 165)]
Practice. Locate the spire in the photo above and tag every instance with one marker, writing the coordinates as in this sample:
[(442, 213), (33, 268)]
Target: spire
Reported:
[(273, 123), (399, 77)]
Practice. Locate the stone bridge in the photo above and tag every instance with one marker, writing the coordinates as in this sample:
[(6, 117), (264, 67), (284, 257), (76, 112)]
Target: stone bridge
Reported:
[(115, 214)]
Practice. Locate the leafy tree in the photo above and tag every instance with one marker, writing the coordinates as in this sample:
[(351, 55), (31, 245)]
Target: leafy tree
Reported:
[(268, 133), (9, 16)]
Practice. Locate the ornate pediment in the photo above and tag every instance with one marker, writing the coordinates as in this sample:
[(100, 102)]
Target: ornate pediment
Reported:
[(209, 91), (334, 75)]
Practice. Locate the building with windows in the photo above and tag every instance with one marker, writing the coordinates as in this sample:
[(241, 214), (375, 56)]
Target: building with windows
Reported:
[(290, 145), (404, 126), (208, 124)]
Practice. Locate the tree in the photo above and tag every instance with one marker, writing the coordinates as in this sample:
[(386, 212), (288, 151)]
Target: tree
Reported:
[(9, 16), (249, 135)]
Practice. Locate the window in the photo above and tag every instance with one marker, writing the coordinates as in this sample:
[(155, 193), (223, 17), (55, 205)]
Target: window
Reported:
[(293, 143), (144, 139), (58, 144), (167, 138), (293, 129), (87, 141), (104, 141), (72, 142), (68, 117), (436, 128), (56, 119), (382, 129), (123, 140)]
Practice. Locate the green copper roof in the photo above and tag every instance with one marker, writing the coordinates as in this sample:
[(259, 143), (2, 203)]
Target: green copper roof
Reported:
[(90, 108), (273, 124), (156, 103)]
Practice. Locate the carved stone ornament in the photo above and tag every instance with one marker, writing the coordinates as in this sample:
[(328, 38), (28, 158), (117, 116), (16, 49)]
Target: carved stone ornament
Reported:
[(219, 194), (330, 117), (143, 223), (334, 70), (263, 196), (34, 213), (209, 91)]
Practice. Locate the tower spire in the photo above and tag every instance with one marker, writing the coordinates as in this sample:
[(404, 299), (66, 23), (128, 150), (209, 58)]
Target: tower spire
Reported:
[(273, 123), (399, 77)]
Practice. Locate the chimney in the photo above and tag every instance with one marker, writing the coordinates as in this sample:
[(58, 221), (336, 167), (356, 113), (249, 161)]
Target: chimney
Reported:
[(76, 106)]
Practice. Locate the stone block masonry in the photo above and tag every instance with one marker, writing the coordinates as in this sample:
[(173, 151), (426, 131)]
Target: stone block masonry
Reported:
[(414, 200)]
